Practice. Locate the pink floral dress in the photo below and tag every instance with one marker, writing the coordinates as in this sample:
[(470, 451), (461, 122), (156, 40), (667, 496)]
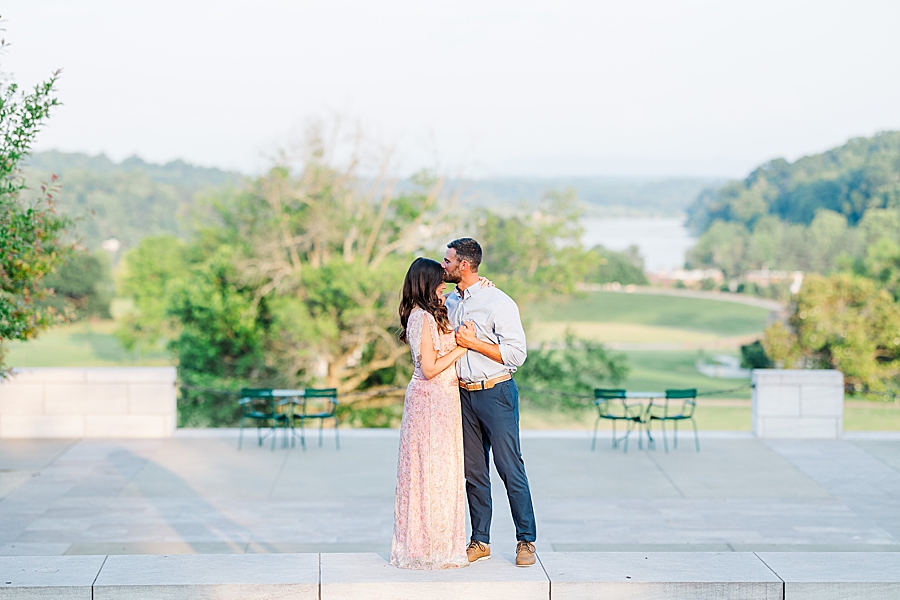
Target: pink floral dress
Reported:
[(429, 510)]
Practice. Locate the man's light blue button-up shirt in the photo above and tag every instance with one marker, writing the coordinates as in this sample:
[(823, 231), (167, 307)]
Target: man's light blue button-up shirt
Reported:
[(497, 321)]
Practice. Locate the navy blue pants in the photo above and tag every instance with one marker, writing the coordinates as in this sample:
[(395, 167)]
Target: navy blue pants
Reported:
[(491, 423)]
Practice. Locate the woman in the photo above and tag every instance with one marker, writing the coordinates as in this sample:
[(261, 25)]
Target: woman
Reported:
[(429, 510)]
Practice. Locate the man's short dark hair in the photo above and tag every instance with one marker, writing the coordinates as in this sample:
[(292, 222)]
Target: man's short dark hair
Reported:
[(467, 249)]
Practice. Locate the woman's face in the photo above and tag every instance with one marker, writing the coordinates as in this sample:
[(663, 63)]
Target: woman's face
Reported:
[(440, 291)]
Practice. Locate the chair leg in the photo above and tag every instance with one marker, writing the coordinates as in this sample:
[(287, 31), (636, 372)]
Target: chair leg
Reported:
[(615, 436), (662, 425), (337, 440), (241, 434), (321, 426), (625, 437), (594, 441), (640, 427), (696, 437), (303, 434), (675, 434)]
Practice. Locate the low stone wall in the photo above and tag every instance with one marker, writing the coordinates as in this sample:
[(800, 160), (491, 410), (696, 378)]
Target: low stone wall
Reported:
[(798, 404), (558, 575), (88, 402)]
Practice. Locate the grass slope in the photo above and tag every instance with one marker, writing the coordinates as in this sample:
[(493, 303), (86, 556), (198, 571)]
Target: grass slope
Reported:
[(724, 319), (85, 344)]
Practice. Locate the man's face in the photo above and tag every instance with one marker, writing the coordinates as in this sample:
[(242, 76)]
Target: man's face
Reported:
[(451, 264)]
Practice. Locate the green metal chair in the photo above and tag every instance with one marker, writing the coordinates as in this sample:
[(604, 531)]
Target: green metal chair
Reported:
[(316, 403), (261, 406), (611, 405), (678, 405)]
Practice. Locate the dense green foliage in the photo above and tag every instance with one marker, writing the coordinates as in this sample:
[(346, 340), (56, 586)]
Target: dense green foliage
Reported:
[(30, 230), (294, 279), (817, 214), (532, 255), (561, 377), (849, 180), (610, 266), (81, 286), (842, 322)]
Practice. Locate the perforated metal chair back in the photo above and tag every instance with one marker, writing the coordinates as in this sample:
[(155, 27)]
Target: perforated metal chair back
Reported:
[(260, 406), (611, 405), (318, 403)]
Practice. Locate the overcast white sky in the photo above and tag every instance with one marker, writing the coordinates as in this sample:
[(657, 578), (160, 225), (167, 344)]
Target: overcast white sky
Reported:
[(635, 87)]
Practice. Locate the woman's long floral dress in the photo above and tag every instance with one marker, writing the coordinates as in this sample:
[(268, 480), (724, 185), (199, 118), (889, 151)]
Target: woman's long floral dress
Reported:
[(429, 510)]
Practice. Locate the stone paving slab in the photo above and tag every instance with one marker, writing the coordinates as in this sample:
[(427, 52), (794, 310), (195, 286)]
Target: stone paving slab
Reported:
[(209, 577), (837, 575), (658, 576), (50, 577), (198, 494), (371, 577)]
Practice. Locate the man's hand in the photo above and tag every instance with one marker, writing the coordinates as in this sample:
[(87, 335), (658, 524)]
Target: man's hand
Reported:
[(466, 335)]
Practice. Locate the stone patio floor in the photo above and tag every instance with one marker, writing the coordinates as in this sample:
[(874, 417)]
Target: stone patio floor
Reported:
[(196, 493)]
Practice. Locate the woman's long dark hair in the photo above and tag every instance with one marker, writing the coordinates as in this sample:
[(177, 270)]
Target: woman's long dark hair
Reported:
[(422, 280)]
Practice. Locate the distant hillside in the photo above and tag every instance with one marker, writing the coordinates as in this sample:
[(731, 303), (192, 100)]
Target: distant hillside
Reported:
[(176, 172), (132, 199), (862, 174), (604, 196), (126, 200)]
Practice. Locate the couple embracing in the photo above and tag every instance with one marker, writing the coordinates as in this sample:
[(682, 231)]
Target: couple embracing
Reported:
[(461, 405)]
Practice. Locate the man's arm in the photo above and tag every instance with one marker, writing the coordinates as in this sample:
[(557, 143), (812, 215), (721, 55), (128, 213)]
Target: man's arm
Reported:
[(466, 337), (511, 351)]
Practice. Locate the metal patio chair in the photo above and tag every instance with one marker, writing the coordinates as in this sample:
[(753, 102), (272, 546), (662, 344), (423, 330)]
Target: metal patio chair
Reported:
[(678, 405), (316, 403), (611, 405), (261, 406)]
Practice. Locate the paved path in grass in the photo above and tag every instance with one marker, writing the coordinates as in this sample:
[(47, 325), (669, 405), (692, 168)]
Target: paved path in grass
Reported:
[(196, 493)]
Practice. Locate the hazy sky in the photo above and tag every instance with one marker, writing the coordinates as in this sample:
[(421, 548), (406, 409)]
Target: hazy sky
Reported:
[(496, 88)]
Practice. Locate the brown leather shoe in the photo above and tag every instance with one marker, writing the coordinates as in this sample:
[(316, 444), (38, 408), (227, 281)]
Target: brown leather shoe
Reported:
[(524, 554), (478, 551)]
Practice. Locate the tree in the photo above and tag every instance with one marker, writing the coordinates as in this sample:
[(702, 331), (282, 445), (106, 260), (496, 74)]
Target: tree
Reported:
[(850, 180), (532, 254), (842, 322), (31, 232), (559, 376), (295, 278), (623, 267), (81, 286)]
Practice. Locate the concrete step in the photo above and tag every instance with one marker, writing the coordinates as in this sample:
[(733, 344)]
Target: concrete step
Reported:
[(564, 575)]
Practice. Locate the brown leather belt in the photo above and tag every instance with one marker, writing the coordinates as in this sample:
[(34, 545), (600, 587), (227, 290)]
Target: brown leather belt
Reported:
[(484, 385)]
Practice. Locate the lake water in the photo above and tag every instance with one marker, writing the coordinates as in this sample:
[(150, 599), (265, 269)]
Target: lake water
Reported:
[(663, 242)]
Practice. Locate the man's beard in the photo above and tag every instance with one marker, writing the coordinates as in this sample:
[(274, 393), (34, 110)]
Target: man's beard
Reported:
[(452, 276)]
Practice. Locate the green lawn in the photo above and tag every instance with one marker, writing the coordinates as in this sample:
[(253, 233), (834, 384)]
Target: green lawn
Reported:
[(655, 371), (722, 318), (857, 417), (85, 344)]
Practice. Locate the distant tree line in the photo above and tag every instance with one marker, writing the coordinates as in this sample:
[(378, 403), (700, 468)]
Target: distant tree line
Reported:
[(836, 216)]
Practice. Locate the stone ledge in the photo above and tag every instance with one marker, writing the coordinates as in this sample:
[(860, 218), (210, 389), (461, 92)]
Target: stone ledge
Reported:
[(565, 575), (201, 576), (58, 577), (836, 575)]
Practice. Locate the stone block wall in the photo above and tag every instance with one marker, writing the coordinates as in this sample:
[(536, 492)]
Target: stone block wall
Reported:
[(88, 402), (798, 404)]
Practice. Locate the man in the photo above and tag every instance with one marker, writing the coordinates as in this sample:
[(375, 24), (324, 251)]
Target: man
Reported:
[(487, 323)]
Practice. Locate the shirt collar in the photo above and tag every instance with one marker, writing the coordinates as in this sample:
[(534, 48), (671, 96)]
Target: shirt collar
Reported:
[(475, 287)]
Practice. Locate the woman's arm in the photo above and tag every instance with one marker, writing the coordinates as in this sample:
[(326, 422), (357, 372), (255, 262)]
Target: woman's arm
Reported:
[(431, 365)]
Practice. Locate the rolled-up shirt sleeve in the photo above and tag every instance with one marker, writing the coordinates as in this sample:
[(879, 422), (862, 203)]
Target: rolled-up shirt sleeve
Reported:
[(510, 335)]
